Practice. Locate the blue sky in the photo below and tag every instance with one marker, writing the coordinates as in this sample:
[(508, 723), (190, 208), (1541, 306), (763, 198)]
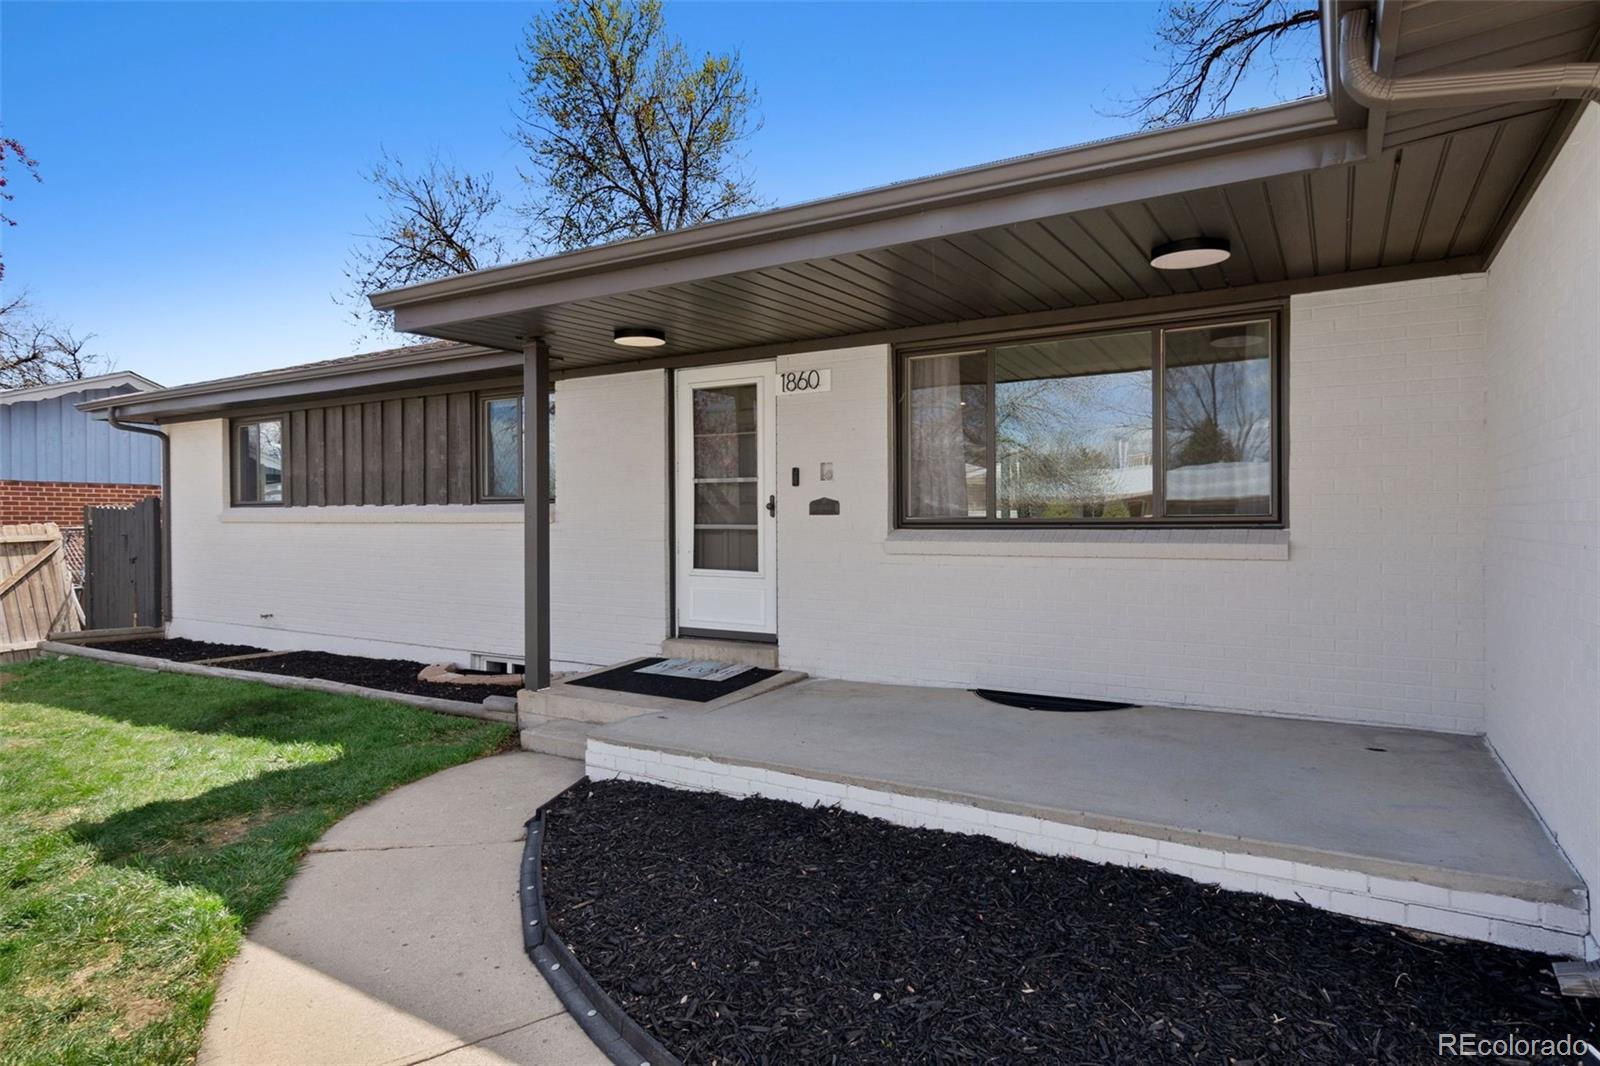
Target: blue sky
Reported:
[(202, 162)]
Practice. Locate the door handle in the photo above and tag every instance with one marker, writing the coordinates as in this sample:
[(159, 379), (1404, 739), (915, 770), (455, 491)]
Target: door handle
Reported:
[(772, 505)]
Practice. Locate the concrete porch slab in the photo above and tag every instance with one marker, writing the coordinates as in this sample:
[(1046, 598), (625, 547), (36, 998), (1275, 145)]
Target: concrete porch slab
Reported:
[(567, 699), (1421, 829)]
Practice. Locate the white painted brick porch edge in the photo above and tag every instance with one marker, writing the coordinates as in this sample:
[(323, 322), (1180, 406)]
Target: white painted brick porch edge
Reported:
[(1543, 927)]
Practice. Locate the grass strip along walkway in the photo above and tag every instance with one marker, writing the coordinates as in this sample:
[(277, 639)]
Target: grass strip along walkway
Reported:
[(146, 819)]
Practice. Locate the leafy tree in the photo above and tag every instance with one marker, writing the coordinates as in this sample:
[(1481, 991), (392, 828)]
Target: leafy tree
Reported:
[(432, 223), (628, 134), (1211, 45)]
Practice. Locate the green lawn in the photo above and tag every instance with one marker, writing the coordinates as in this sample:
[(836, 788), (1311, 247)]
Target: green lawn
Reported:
[(147, 819)]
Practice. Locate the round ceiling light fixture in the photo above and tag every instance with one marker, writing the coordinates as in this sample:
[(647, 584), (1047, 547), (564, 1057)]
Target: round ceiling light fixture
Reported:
[(630, 337), (1190, 253), (1237, 337)]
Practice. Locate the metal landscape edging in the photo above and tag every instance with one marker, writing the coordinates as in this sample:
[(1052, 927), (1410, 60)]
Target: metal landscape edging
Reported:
[(623, 1040), (459, 708)]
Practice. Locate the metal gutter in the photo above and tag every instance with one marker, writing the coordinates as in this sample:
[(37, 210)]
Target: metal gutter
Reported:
[(1297, 120), (299, 382), (1564, 81), (166, 505)]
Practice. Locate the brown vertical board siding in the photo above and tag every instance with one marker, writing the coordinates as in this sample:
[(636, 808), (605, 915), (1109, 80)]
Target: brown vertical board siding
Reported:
[(316, 460), (413, 450), (461, 447), (436, 449), (354, 488), (297, 458), (333, 449), (392, 454), (372, 449), (412, 468)]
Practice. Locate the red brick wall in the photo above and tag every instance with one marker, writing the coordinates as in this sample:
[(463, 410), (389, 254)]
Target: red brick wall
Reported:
[(62, 502)]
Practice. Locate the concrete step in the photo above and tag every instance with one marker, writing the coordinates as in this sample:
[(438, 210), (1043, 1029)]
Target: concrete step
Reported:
[(555, 736), (578, 704), (743, 652)]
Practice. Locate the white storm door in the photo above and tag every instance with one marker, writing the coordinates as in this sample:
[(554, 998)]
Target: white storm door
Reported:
[(724, 458)]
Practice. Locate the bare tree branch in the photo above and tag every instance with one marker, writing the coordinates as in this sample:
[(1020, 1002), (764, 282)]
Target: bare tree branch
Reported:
[(38, 351), (434, 222), (1210, 46), (12, 148)]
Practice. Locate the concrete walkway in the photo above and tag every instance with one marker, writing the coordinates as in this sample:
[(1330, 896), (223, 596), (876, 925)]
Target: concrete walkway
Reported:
[(398, 940)]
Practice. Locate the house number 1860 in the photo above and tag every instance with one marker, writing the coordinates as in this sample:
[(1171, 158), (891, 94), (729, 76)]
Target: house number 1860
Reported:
[(791, 382)]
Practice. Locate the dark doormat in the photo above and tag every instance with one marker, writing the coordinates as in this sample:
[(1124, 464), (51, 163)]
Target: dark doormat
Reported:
[(628, 679), (1034, 702)]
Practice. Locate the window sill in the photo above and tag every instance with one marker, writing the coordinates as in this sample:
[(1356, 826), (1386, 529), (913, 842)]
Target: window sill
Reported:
[(376, 514), (1236, 544)]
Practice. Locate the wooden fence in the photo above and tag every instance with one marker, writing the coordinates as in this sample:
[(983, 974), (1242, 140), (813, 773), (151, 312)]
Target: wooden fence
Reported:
[(122, 565), (36, 596)]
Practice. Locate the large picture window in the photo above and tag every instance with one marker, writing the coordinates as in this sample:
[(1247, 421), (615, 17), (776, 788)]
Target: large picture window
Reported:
[(258, 462), (1169, 423)]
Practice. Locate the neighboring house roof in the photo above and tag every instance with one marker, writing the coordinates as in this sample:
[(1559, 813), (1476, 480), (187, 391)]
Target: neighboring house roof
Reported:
[(115, 380)]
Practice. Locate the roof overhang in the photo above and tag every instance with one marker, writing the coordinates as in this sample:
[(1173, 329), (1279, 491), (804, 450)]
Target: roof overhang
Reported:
[(1277, 140), (1314, 194), (335, 379)]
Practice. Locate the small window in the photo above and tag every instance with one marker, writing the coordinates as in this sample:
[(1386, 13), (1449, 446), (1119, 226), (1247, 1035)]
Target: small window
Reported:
[(1166, 423), (258, 462), (496, 664), (502, 448), (502, 444)]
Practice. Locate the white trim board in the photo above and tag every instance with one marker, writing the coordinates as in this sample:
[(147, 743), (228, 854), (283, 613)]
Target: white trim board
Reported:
[(1545, 927)]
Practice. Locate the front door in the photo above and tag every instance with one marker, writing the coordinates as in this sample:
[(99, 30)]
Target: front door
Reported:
[(725, 506)]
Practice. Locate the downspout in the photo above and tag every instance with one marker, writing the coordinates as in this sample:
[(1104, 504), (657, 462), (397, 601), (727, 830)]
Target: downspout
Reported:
[(1566, 81), (166, 505)]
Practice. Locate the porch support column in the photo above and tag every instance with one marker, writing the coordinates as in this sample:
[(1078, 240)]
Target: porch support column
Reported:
[(536, 514)]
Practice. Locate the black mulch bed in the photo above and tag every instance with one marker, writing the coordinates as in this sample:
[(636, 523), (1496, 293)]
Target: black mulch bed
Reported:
[(759, 931), (390, 675), (177, 649)]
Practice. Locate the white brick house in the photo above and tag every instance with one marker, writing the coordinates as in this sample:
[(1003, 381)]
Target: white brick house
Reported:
[(879, 430)]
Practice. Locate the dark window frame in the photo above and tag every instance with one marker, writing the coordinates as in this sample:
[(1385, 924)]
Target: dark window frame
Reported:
[(1275, 314), (236, 460), (483, 459)]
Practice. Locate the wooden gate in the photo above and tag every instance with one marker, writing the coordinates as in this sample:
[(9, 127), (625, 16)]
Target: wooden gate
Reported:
[(122, 565), (35, 589)]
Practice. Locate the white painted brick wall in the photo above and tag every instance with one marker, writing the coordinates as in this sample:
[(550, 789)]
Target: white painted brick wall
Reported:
[(1544, 530), (438, 582), (608, 548), (1376, 615)]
